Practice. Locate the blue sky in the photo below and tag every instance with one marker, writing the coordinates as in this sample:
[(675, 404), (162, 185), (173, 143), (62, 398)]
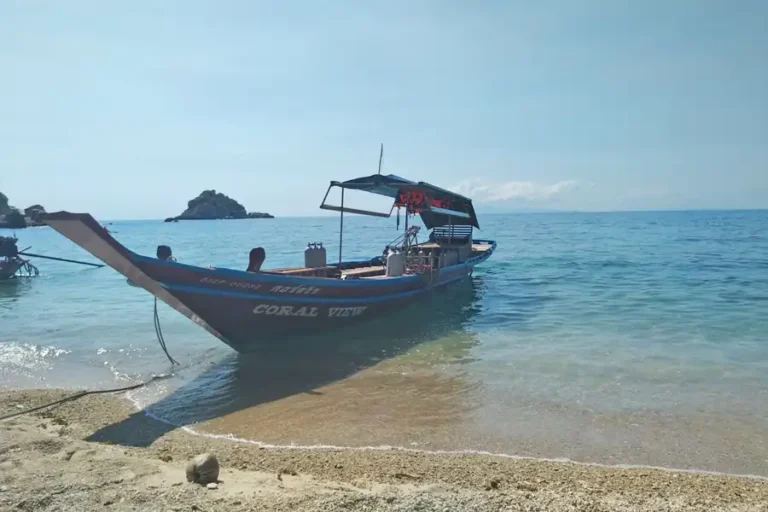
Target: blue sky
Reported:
[(129, 109)]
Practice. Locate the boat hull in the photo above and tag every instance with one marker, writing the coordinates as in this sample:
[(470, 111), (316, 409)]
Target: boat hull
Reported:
[(9, 268), (257, 311), (253, 315)]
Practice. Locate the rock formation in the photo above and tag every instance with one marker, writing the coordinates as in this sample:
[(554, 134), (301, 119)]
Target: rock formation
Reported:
[(35, 212), (13, 218), (215, 205), (5, 208), (203, 469), (259, 215)]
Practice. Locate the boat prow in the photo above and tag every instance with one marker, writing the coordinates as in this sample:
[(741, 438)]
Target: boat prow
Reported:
[(89, 234)]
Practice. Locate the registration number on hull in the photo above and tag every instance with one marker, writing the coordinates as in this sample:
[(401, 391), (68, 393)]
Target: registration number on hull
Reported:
[(306, 311)]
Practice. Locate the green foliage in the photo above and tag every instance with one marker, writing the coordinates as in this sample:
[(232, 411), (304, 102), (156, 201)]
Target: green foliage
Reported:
[(15, 219), (4, 207), (213, 205)]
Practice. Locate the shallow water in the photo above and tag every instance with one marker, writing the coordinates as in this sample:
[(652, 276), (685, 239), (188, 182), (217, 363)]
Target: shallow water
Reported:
[(636, 338)]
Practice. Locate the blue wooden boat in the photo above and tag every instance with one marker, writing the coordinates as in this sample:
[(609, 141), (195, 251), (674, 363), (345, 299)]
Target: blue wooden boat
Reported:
[(255, 309)]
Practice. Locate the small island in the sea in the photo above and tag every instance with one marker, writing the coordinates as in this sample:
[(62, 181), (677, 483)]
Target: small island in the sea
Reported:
[(13, 218), (210, 205)]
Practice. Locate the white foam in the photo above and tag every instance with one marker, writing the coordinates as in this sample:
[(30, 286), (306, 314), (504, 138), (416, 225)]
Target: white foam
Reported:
[(28, 356)]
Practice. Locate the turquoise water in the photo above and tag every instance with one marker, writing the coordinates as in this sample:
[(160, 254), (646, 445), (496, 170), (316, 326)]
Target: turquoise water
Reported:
[(637, 338)]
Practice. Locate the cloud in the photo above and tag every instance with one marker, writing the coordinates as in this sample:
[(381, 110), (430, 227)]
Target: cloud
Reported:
[(490, 192)]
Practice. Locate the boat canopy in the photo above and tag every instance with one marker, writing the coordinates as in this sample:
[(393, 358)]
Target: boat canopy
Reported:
[(436, 206)]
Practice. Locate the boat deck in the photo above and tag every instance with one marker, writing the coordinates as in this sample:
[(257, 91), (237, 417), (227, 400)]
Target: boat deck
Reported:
[(327, 271), (302, 270), (368, 271), (372, 271)]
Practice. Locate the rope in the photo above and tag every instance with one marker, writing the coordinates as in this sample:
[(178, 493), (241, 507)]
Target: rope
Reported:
[(82, 394), (160, 338)]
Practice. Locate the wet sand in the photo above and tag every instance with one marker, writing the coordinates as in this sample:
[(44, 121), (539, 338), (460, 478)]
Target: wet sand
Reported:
[(99, 453), (421, 409), (413, 402)]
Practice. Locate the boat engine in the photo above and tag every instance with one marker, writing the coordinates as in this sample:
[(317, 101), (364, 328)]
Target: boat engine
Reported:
[(8, 247)]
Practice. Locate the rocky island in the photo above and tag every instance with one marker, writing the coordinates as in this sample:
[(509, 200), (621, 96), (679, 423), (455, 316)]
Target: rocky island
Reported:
[(210, 205), (13, 218)]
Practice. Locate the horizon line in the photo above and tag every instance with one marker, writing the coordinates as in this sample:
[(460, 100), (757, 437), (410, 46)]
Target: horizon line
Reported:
[(510, 212)]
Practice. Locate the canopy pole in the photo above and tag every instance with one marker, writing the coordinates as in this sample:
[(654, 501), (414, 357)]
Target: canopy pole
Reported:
[(405, 242), (341, 225)]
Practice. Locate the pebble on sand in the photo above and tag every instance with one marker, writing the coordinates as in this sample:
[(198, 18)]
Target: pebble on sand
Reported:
[(203, 469)]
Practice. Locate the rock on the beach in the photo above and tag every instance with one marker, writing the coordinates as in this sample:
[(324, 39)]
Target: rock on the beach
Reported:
[(203, 469)]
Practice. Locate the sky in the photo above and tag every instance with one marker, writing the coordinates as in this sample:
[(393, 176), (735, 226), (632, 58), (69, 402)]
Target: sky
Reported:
[(127, 110)]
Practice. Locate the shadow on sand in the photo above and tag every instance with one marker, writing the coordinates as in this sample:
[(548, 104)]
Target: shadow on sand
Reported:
[(243, 381)]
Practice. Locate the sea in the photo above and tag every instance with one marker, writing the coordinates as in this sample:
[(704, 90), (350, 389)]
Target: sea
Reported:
[(609, 338)]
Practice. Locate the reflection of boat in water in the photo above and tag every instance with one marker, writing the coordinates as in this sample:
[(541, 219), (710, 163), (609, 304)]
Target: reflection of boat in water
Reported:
[(250, 310)]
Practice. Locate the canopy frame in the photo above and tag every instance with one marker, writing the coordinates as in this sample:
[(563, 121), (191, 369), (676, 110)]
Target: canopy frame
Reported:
[(432, 214), (437, 207)]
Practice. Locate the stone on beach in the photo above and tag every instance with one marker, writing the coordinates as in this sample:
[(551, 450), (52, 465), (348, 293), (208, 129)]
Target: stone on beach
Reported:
[(203, 469)]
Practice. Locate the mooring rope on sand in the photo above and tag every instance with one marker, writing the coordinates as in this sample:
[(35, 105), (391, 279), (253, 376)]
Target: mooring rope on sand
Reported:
[(160, 339), (81, 394)]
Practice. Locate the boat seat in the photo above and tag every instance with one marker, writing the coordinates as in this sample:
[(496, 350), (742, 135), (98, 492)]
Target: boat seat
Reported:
[(480, 248), (452, 235), (256, 259)]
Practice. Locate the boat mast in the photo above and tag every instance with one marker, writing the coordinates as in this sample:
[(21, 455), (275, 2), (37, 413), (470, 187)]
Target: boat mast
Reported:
[(341, 210), (341, 225)]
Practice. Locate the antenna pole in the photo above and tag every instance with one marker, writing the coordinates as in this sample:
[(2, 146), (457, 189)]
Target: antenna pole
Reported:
[(381, 155), (341, 225)]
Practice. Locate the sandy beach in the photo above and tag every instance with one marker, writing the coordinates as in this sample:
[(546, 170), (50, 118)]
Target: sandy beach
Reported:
[(99, 453)]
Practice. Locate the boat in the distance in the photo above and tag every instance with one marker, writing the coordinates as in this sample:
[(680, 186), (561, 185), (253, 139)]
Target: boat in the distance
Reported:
[(257, 309), (12, 265)]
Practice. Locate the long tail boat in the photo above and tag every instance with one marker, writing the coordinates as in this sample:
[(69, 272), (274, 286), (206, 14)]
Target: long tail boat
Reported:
[(255, 309), (12, 265)]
